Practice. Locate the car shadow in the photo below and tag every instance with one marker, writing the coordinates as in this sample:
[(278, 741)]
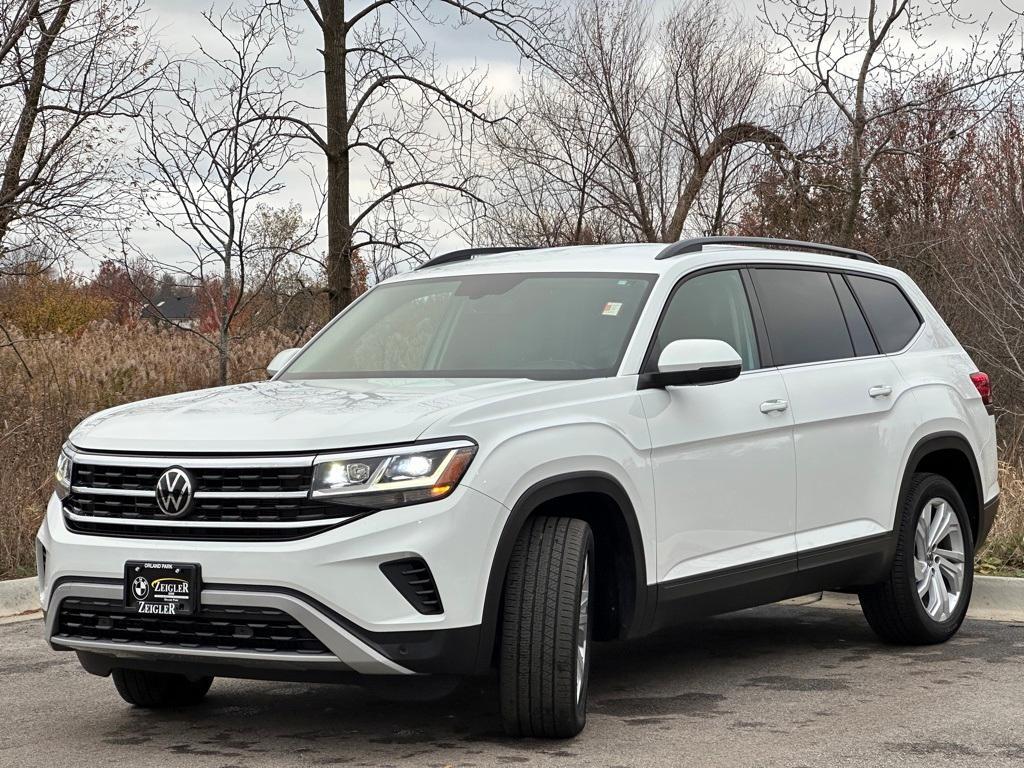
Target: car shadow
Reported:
[(692, 672)]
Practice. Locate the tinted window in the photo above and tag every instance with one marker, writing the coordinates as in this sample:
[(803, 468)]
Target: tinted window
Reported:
[(892, 318), (710, 306), (801, 310), (544, 326), (863, 344)]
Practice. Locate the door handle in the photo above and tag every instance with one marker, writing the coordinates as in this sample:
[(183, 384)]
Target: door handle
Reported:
[(880, 390), (773, 406)]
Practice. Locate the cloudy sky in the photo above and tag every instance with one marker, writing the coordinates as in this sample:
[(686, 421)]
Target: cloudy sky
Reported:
[(181, 29)]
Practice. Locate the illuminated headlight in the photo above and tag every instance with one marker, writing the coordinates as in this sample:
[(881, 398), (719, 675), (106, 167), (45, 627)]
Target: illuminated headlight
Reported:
[(62, 477), (393, 477)]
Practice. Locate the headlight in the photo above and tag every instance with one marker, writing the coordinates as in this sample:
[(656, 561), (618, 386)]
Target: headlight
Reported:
[(393, 477), (62, 477)]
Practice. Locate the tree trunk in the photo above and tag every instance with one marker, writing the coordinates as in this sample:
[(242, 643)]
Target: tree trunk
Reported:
[(224, 326), (849, 223), (339, 224), (11, 179), (223, 344), (727, 139)]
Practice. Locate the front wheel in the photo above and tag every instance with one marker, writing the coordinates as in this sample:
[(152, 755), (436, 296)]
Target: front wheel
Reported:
[(925, 598), (546, 629)]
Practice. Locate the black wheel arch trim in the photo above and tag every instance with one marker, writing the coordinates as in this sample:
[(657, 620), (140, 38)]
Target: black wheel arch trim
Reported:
[(944, 441), (537, 494)]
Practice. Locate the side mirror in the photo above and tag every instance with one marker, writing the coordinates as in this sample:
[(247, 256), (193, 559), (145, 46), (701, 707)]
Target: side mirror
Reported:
[(690, 362), (281, 359)]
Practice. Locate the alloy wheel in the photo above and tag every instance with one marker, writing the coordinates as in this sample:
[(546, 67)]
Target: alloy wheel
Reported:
[(939, 559), (582, 641)]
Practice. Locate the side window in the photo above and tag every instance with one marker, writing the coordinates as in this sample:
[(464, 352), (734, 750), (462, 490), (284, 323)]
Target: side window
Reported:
[(801, 310), (710, 306), (863, 344), (891, 315)]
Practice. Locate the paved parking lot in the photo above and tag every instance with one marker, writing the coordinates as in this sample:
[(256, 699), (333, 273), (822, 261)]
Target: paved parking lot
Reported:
[(778, 686)]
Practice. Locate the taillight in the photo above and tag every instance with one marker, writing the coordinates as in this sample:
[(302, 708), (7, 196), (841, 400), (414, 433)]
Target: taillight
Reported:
[(983, 384)]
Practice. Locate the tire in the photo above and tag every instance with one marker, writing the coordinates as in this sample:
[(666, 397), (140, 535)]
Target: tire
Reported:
[(543, 693), (895, 609), (159, 690)]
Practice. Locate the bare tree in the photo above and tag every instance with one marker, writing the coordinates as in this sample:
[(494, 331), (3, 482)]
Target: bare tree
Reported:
[(617, 136), (873, 61), (397, 118), (212, 168), (69, 70)]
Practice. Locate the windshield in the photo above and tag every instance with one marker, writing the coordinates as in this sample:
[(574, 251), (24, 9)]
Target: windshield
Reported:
[(540, 326)]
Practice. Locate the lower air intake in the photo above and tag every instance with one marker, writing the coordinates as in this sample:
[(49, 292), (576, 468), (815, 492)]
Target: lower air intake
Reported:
[(224, 628), (414, 580)]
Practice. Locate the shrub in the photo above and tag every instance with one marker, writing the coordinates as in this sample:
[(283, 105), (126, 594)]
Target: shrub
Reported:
[(73, 376)]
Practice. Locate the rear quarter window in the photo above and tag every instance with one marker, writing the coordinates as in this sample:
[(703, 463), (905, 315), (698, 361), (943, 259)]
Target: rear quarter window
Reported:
[(890, 313)]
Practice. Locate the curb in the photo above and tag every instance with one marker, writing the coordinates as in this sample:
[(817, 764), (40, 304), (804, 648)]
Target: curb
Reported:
[(998, 598), (18, 596), (995, 598)]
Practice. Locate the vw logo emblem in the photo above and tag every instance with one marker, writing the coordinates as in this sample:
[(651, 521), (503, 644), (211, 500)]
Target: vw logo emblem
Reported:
[(174, 492)]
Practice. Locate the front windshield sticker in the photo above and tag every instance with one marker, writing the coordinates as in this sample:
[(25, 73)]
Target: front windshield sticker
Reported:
[(612, 308)]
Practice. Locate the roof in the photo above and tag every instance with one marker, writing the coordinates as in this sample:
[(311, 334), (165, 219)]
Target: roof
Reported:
[(625, 258), (170, 307)]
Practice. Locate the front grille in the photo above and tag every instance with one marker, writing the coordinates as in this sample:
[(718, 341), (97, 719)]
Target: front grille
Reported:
[(206, 510), (222, 628), (262, 499), (217, 479)]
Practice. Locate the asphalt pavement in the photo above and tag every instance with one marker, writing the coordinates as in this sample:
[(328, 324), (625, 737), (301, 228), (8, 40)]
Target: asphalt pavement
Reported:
[(784, 685)]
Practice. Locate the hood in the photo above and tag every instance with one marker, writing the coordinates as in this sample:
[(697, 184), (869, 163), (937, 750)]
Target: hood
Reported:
[(289, 416)]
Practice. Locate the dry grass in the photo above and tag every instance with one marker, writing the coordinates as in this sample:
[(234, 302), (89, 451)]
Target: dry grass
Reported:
[(74, 376), (1004, 551)]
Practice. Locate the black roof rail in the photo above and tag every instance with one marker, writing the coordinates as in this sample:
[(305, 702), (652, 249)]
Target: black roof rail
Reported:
[(468, 253), (697, 243)]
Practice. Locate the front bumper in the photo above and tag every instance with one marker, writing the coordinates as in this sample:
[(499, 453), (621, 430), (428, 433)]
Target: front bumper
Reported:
[(331, 583)]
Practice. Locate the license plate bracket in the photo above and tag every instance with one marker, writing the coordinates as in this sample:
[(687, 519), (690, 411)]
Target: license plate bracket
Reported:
[(161, 589)]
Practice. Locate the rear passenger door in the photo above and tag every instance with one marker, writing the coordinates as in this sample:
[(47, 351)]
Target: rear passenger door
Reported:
[(851, 416)]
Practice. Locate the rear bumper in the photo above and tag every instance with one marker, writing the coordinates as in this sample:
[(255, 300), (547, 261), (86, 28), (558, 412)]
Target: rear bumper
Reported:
[(989, 511)]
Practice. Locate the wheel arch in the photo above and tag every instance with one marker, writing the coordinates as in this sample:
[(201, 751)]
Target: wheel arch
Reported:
[(612, 519), (949, 454)]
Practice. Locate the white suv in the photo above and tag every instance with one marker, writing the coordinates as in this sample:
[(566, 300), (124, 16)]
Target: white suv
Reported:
[(497, 458)]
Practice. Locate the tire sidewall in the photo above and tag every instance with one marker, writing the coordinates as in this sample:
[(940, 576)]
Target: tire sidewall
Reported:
[(933, 487)]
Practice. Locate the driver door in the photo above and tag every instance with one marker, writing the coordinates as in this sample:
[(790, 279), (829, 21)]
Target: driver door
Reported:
[(722, 454)]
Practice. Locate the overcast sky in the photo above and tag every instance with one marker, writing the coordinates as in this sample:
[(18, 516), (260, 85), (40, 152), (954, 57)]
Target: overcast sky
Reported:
[(179, 23)]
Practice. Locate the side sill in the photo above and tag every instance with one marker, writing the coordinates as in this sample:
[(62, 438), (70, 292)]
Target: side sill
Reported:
[(723, 591), (847, 565)]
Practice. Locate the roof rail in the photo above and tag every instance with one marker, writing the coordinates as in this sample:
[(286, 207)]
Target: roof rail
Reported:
[(697, 243), (468, 253)]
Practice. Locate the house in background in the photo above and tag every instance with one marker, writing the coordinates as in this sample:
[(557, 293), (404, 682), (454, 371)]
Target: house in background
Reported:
[(175, 309)]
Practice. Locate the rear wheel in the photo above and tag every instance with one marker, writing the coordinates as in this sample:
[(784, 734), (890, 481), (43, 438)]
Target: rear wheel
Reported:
[(546, 630), (156, 690), (925, 598)]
